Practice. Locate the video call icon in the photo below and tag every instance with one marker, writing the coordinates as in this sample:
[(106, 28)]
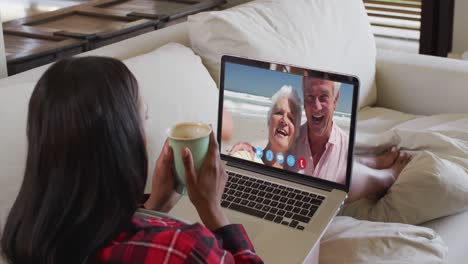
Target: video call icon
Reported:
[(259, 152), (280, 158), (290, 160), (269, 155)]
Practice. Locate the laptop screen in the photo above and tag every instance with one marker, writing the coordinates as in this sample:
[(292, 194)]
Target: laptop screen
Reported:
[(288, 118)]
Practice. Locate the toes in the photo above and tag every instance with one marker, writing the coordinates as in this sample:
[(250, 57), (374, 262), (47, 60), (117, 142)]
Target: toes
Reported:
[(388, 151), (404, 158), (391, 154), (401, 158), (408, 158), (394, 152)]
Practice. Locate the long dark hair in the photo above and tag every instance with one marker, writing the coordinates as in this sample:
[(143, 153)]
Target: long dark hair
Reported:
[(86, 165)]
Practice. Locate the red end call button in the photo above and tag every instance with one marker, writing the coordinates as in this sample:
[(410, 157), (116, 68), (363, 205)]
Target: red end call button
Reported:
[(302, 163)]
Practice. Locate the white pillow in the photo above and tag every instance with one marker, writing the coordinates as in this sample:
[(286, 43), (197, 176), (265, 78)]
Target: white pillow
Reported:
[(177, 88), (348, 240), (14, 102), (429, 187), (331, 35)]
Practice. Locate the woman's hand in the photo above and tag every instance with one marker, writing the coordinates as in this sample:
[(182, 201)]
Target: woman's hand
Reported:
[(206, 188), (163, 195)]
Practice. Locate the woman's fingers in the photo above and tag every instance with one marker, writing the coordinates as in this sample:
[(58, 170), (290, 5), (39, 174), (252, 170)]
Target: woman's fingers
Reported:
[(213, 147), (167, 156), (190, 175)]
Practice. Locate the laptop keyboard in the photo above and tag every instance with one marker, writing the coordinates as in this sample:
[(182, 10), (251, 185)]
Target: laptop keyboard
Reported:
[(277, 203)]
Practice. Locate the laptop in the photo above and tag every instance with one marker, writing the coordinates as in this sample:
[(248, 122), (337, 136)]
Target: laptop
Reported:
[(279, 194)]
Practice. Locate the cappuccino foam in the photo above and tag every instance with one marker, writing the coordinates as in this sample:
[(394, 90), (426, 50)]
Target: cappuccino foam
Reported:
[(190, 131)]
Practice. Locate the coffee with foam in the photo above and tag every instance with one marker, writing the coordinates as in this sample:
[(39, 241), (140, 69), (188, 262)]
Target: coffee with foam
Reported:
[(189, 131)]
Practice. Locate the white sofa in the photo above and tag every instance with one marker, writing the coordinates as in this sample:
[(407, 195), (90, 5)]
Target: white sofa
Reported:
[(415, 84), (3, 65)]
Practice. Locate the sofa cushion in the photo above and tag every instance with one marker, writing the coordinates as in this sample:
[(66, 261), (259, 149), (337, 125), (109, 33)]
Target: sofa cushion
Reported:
[(14, 100), (331, 35), (373, 242), (454, 231), (176, 87)]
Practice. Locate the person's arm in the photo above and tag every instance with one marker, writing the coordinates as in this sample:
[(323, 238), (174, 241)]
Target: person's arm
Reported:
[(163, 195), (205, 189), (235, 240), (178, 242), (228, 244)]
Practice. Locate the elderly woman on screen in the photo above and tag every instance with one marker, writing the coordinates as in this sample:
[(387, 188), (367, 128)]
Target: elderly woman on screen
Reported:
[(284, 117)]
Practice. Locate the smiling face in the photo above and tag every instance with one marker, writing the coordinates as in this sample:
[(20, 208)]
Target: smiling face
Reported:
[(319, 103), (281, 127)]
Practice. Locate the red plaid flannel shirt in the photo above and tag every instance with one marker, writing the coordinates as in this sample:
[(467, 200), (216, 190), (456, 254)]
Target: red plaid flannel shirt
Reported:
[(164, 240)]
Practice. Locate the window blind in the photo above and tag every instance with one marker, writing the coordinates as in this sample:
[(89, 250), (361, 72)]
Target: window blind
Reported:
[(400, 19)]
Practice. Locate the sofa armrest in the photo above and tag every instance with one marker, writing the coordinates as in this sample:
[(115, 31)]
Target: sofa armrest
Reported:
[(420, 84)]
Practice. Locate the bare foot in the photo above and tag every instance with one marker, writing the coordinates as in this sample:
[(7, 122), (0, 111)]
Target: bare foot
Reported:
[(400, 163), (387, 177), (382, 161)]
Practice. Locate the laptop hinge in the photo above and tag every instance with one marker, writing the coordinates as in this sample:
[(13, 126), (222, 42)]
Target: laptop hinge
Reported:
[(279, 175)]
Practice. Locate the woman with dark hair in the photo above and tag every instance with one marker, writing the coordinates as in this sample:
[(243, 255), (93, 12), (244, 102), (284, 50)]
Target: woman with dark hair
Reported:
[(86, 172)]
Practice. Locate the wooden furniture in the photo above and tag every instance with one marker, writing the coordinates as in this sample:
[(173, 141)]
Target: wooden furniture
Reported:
[(34, 41), (164, 10), (29, 50)]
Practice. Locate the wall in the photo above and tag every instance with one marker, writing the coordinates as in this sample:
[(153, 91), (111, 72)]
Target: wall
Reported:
[(460, 27)]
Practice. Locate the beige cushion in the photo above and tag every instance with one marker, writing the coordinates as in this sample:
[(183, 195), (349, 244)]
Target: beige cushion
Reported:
[(454, 231), (331, 35), (177, 88), (348, 240)]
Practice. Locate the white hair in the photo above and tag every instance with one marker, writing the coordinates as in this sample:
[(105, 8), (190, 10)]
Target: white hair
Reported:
[(336, 86), (296, 107)]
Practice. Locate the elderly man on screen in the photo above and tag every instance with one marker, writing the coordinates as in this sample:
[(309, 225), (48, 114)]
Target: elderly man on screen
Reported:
[(322, 147)]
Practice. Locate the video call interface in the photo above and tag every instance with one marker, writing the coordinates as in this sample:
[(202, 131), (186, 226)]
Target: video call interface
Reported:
[(281, 117)]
